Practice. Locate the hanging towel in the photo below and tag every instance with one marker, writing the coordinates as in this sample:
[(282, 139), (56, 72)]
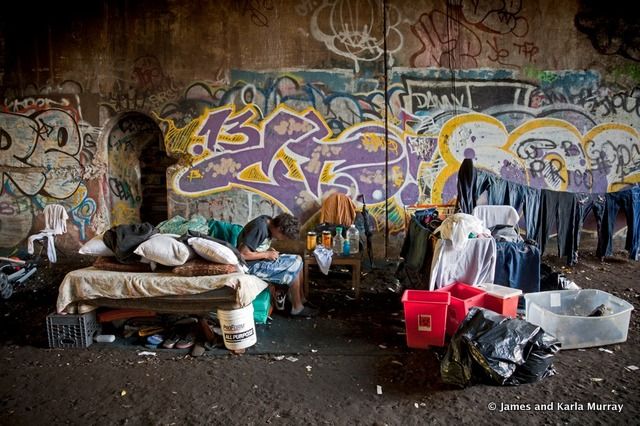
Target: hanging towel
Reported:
[(339, 209), (55, 220)]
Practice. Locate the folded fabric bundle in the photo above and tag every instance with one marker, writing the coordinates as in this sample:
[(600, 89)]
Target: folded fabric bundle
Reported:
[(201, 267), (457, 228), (124, 239), (180, 226), (111, 264)]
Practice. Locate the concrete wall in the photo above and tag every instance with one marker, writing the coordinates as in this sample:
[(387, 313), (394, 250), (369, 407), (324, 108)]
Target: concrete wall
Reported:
[(268, 105)]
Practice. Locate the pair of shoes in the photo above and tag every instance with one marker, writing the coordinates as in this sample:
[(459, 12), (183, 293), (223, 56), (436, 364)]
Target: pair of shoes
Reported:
[(281, 298), (170, 342), (306, 312), (186, 342)]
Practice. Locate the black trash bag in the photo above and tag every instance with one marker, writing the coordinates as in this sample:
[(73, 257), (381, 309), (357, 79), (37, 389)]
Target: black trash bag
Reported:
[(494, 349), (539, 362)]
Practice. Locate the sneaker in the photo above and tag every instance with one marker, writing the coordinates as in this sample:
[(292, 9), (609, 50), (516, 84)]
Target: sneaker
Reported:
[(281, 298)]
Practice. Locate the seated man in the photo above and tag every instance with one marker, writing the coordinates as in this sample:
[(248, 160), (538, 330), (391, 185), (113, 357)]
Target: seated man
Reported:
[(254, 244)]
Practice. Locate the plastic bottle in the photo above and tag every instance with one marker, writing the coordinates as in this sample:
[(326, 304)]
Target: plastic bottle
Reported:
[(353, 235), (338, 241), (105, 338), (346, 247)]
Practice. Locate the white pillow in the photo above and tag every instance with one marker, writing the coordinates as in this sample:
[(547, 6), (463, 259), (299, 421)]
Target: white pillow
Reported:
[(212, 251), (165, 250), (96, 247)]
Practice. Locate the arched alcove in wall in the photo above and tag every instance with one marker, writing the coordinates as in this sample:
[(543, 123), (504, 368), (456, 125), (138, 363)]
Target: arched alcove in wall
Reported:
[(137, 169)]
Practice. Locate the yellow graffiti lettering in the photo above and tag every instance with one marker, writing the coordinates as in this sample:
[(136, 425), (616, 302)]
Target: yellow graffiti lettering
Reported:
[(327, 174), (194, 174), (293, 170), (397, 176), (236, 139), (178, 140), (254, 173), (373, 142)]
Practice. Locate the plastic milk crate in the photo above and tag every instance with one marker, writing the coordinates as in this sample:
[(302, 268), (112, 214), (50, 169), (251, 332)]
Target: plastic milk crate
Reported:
[(72, 331)]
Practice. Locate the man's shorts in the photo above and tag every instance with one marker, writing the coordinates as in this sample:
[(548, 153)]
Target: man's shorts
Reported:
[(280, 271)]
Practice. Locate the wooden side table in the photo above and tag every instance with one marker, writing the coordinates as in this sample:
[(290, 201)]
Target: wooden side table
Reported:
[(353, 260)]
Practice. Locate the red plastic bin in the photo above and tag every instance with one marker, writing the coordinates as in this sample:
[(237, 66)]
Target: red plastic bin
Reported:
[(425, 315), (501, 299), (463, 297)]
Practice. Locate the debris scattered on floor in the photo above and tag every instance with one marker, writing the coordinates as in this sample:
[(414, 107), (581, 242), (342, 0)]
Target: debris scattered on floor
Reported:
[(291, 358), (605, 350), (146, 353), (631, 368), (379, 389)]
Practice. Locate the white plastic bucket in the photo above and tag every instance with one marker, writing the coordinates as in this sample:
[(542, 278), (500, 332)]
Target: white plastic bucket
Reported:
[(238, 328)]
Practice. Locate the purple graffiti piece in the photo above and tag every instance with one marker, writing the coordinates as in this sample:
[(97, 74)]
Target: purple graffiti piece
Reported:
[(212, 126), (513, 172), (537, 182), (238, 126), (410, 194), (600, 181), (365, 146), (450, 189), (470, 153), (197, 149)]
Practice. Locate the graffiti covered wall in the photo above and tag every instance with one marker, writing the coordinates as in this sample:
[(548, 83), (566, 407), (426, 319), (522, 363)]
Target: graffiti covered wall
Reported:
[(285, 101), (41, 156)]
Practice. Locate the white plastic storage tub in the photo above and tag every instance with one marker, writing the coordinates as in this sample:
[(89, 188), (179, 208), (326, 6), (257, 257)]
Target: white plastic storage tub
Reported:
[(564, 314)]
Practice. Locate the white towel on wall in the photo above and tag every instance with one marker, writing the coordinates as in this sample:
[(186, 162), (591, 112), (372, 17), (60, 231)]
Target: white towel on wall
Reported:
[(55, 219)]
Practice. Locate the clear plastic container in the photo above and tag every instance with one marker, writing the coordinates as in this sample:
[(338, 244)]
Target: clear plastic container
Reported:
[(563, 313), (338, 241), (353, 236)]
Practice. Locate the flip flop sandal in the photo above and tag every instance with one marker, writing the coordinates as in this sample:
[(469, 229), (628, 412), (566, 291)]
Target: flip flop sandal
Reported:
[(155, 339), (170, 342), (186, 342)]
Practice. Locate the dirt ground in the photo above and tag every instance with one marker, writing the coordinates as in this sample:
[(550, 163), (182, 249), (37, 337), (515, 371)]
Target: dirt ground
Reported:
[(343, 355)]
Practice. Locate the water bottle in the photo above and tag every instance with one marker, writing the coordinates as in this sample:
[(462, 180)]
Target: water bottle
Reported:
[(338, 241), (346, 247), (353, 236)]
